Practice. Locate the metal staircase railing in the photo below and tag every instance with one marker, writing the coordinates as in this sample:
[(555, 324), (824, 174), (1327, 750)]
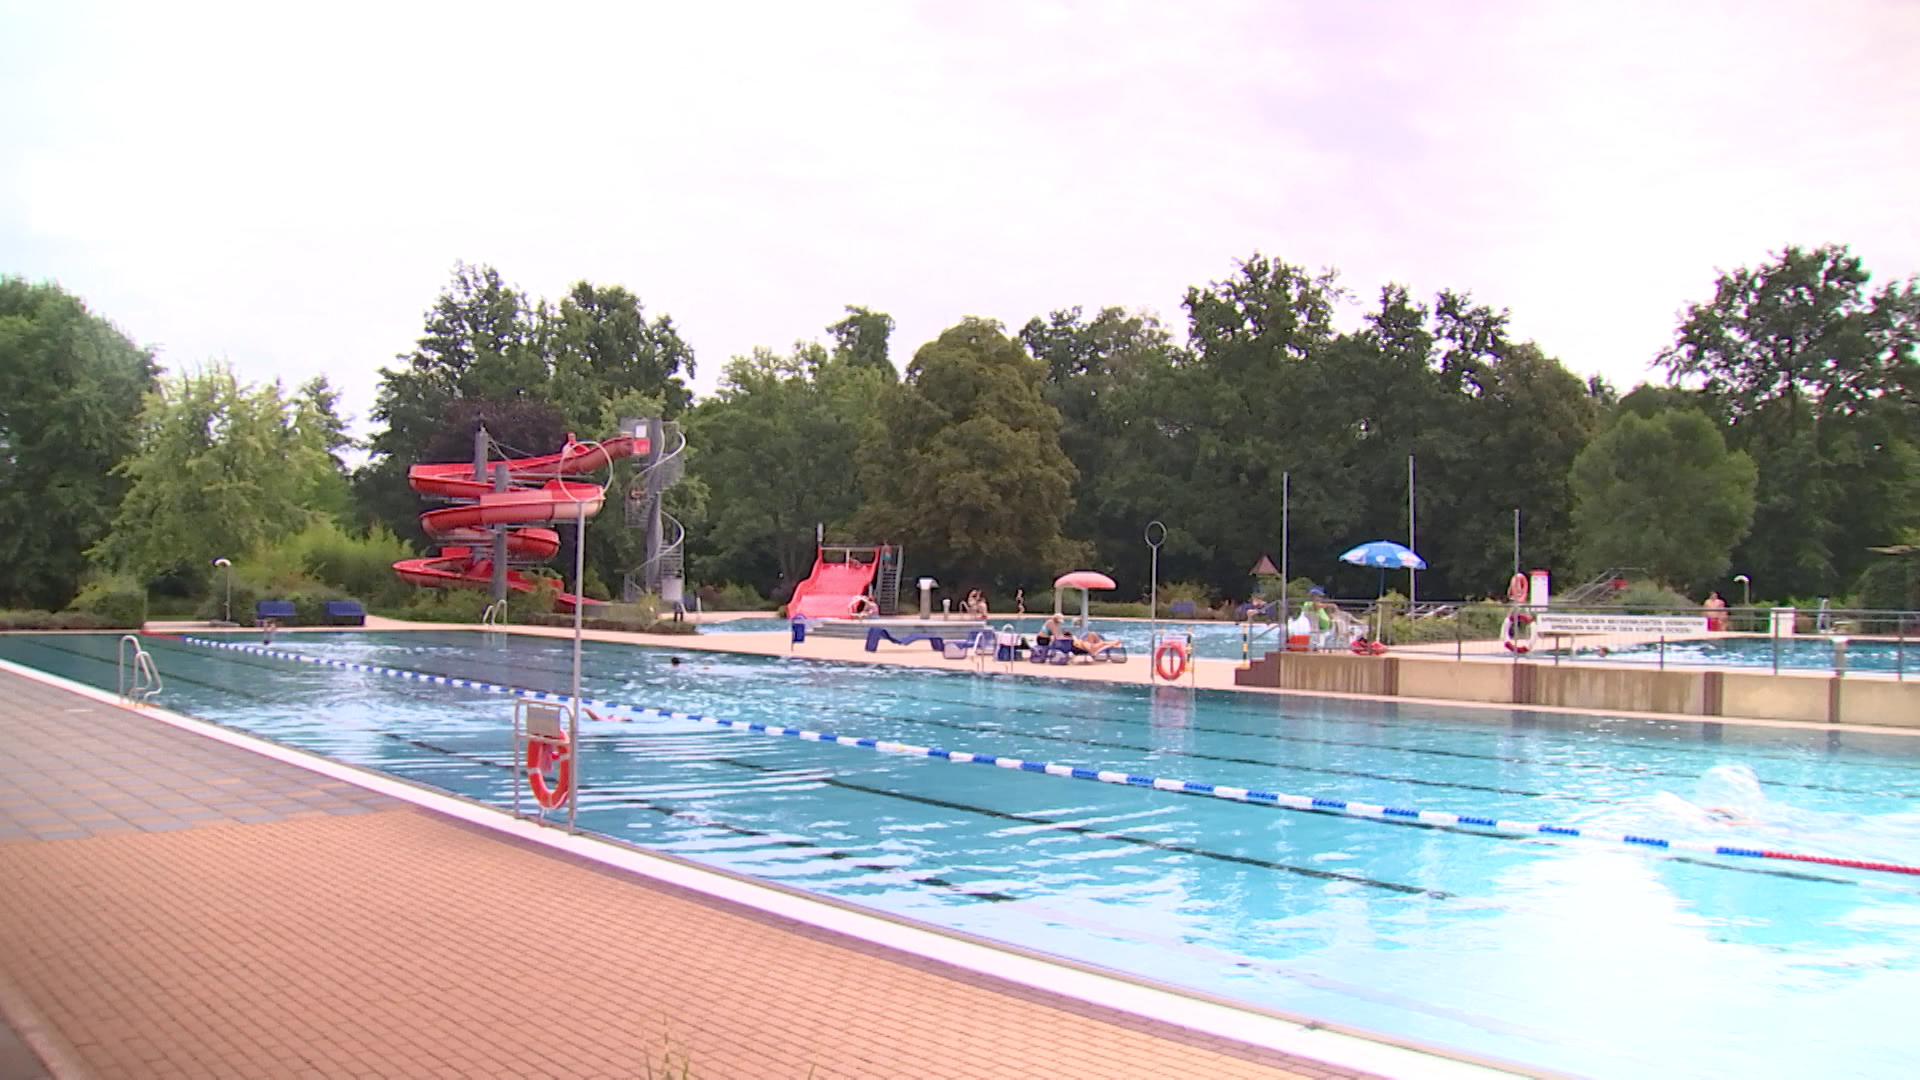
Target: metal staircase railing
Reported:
[(886, 584), (139, 677), (1601, 588), (644, 498)]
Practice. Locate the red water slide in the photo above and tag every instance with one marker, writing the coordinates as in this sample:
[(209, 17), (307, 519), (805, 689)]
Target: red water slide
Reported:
[(536, 495), (829, 592)]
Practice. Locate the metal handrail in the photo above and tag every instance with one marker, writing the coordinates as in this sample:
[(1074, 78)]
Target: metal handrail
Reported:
[(143, 682), (492, 616)]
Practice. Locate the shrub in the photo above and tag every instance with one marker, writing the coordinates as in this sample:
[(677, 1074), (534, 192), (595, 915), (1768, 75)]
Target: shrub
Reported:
[(1649, 598), (1181, 592), (52, 620), (731, 596), (323, 554), (119, 600), (628, 625), (244, 595), (1113, 610)]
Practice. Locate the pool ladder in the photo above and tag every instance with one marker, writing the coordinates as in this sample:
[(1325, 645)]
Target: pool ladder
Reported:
[(139, 677), (490, 619)]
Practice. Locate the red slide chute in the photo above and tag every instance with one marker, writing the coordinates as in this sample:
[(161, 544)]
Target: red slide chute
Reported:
[(536, 495)]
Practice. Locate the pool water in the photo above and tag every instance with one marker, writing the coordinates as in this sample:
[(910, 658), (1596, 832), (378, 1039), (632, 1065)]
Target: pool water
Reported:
[(1786, 654), (1574, 956)]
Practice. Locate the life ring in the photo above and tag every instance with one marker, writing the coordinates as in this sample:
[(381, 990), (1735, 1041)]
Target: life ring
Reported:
[(1517, 589), (539, 756), (1170, 661), (1517, 618)]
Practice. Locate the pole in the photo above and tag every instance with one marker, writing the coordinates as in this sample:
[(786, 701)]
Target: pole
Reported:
[(1286, 479), (1516, 539), (1413, 592), (499, 549), (573, 724), (1153, 595)]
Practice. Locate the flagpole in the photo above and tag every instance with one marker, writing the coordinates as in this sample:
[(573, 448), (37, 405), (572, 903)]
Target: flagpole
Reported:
[(1412, 590), (1285, 478)]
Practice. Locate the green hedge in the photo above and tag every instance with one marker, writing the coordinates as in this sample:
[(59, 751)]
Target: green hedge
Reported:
[(119, 601), (631, 626), (53, 620)]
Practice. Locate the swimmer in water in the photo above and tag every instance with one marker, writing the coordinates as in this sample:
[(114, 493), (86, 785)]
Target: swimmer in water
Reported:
[(674, 660)]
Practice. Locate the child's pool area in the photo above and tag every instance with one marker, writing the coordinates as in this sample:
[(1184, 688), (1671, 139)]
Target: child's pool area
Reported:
[(1563, 954)]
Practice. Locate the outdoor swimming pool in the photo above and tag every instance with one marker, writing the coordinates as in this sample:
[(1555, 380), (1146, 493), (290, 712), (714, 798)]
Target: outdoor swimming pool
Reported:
[(1572, 955)]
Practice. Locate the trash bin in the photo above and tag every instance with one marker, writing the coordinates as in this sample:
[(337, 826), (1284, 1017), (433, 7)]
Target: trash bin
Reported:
[(1783, 620), (799, 631)]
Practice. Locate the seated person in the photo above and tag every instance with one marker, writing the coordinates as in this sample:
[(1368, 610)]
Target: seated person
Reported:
[(1052, 630), (1257, 607), (976, 604), (863, 606)]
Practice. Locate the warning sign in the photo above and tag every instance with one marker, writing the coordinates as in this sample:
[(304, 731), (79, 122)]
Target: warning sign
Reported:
[(1653, 625)]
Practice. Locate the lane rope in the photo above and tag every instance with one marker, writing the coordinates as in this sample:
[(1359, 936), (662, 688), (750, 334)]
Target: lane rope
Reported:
[(1370, 811)]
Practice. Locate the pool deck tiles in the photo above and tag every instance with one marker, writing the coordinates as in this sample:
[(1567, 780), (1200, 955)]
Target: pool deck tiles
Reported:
[(175, 907)]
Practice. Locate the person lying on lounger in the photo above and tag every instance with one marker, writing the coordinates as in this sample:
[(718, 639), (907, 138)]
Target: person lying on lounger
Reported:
[(1091, 644)]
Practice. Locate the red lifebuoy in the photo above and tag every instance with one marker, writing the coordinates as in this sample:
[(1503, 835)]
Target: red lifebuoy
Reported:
[(1170, 661), (539, 756), (1517, 589)]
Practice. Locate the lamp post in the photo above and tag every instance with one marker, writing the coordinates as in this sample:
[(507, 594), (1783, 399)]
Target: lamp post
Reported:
[(1746, 594), (227, 565)]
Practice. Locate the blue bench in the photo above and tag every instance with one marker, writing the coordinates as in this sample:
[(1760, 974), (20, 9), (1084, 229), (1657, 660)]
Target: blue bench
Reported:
[(1183, 608), (877, 634), (346, 613), (274, 609)]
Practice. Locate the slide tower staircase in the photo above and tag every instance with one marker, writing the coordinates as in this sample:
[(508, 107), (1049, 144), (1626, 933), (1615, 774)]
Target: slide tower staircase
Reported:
[(663, 573)]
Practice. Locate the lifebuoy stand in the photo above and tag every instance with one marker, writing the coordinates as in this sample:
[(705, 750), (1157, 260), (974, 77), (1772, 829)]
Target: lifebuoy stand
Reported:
[(540, 743), (1170, 660)]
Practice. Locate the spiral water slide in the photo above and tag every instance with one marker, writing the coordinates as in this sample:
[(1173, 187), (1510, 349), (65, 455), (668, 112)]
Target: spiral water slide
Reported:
[(536, 495)]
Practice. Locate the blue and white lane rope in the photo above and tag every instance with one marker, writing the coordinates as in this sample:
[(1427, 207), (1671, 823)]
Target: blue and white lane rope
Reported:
[(1179, 787)]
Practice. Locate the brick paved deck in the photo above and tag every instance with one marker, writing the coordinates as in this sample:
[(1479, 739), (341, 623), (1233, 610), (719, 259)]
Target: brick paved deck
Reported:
[(175, 907)]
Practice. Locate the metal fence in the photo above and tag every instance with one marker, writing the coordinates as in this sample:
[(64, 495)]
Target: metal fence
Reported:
[(1844, 641)]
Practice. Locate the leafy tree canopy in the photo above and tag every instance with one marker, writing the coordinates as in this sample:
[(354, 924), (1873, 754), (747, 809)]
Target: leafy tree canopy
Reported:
[(71, 387), (1662, 493)]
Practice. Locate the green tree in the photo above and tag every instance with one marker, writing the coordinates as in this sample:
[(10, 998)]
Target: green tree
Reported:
[(1814, 373), (861, 340), (1662, 493), (778, 443), (71, 386), (1098, 370), (967, 468), (220, 470)]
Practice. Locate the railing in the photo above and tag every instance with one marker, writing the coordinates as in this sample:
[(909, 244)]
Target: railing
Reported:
[(494, 615), (1842, 641), (139, 676), (643, 499)]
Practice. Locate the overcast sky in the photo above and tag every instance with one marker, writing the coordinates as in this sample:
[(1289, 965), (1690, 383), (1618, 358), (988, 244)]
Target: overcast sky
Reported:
[(287, 187)]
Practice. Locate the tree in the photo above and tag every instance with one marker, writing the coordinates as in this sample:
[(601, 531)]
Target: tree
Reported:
[(1662, 493), (778, 443), (967, 468), (861, 339), (71, 386), (1814, 373), (603, 346), (1096, 369), (219, 472)]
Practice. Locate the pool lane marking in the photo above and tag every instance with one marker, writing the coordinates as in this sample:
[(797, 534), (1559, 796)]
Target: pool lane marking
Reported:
[(1283, 800)]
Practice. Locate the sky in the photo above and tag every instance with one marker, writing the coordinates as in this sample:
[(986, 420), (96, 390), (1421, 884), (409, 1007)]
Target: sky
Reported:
[(288, 187)]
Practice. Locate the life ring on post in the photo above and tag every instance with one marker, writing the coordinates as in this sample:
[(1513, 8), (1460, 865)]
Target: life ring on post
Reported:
[(541, 755), (1515, 619), (1517, 589), (1170, 660)]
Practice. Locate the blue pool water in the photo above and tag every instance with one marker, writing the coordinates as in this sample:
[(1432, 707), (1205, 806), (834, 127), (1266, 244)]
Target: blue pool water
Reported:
[(1575, 956), (1787, 653)]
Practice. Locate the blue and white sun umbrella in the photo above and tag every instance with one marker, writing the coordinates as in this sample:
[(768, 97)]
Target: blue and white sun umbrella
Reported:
[(1385, 554)]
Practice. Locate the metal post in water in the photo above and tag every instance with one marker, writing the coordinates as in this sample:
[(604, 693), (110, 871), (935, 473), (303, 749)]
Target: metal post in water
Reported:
[(1153, 593), (500, 539)]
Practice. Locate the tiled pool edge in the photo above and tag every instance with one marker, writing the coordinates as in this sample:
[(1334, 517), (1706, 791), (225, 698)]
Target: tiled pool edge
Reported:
[(1137, 997)]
